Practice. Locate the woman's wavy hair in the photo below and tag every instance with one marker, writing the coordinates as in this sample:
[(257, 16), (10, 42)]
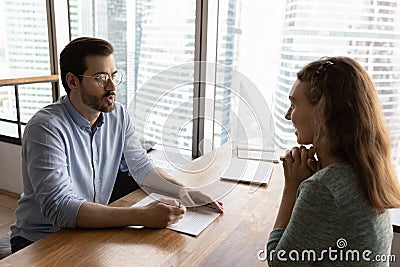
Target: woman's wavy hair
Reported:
[(351, 121)]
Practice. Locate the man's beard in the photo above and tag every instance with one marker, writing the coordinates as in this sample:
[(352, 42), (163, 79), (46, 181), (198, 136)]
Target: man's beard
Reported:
[(97, 103)]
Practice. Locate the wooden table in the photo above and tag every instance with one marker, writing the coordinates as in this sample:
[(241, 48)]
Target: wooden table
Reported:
[(233, 239)]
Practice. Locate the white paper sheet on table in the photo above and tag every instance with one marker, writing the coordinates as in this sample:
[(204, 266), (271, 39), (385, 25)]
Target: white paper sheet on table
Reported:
[(192, 223), (258, 153), (248, 171)]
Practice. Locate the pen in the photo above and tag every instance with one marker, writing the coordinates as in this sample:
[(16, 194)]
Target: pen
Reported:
[(167, 203)]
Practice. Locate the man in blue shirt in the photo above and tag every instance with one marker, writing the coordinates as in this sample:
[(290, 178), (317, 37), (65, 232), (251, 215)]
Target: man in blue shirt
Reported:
[(72, 150)]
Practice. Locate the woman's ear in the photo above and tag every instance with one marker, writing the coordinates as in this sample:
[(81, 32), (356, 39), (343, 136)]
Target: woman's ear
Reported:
[(72, 81)]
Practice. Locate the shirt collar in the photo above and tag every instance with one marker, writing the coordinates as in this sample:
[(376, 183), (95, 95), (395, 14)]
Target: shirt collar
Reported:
[(77, 117)]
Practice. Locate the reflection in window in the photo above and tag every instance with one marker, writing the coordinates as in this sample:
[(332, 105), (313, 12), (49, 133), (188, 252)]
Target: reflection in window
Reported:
[(271, 56), (151, 38), (364, 30)]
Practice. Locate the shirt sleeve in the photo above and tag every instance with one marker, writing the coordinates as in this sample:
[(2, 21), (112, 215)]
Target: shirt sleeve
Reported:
[(136, 158), (46, 168), (310, 228)]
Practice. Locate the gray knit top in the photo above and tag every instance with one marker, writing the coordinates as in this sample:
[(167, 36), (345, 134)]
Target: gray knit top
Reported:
[(332, 224)]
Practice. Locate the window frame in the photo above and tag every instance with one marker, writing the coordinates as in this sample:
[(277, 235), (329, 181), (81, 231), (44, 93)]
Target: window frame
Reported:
[(53, 78), (200, 71)]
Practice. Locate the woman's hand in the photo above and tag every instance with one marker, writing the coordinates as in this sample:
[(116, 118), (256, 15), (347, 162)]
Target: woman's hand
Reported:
[(312, 163), (298, 166)]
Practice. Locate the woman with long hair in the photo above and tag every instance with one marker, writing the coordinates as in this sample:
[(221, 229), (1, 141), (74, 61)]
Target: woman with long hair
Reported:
[(336, 195)]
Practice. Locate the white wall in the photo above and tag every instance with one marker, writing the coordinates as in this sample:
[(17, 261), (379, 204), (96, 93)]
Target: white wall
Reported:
[(10, 168)]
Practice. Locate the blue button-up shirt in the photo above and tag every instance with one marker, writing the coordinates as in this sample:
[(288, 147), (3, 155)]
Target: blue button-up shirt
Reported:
[(64, 164)]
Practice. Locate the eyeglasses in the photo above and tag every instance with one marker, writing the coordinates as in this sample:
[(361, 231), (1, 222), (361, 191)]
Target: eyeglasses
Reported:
[(103, 78), (324, 66)]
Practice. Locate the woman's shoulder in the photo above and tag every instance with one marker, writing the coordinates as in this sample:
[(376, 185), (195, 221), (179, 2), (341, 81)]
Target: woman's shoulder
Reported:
[(341, 183), (336, 175), (338, 180)]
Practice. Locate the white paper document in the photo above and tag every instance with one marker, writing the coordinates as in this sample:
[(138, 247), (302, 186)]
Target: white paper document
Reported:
[(248, 171), (257, 153), (192, 223)]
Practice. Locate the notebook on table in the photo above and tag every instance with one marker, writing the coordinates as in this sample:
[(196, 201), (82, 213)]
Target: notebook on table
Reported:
[(248, 171), (258, 153)]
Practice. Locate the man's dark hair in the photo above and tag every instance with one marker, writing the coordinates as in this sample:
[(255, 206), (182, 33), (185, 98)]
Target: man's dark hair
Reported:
[(72, 58)]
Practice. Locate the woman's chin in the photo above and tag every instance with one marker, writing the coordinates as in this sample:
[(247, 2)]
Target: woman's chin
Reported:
[(302, 141)]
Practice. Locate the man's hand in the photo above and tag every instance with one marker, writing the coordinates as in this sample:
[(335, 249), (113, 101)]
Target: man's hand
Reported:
[(162, 181), (193, 198), (163, 212)]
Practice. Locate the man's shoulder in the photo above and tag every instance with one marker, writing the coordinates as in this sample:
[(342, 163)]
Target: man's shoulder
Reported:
[(51, 114)]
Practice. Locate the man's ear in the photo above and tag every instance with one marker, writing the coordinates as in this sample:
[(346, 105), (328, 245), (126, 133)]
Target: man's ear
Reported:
[(72, 81)]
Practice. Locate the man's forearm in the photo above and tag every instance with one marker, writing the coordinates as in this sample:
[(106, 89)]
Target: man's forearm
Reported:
[(94, 215), (160, 180), (157, 214)]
